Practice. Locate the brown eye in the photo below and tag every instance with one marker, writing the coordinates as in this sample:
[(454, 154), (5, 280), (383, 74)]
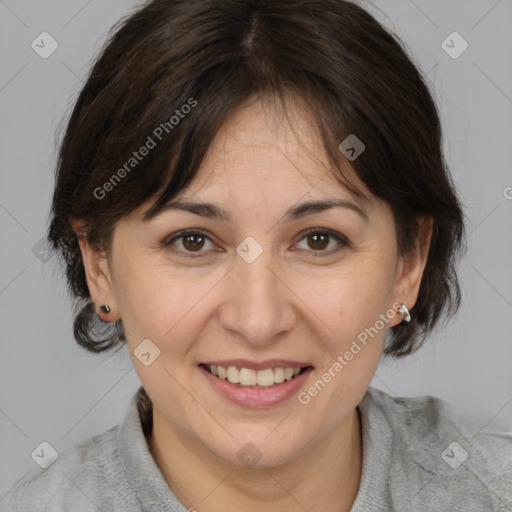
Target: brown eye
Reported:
[(193, 241), (189, 243), (319, 239)]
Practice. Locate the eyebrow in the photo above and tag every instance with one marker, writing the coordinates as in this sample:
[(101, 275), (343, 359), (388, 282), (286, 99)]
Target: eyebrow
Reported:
[(299, 211)]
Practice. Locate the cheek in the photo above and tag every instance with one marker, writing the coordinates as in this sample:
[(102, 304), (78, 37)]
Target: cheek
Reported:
[(354, 299), (142, 299), (354, 311), (163, 305)]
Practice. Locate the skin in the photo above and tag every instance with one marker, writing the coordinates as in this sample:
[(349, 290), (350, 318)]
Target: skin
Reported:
[(292, 304)]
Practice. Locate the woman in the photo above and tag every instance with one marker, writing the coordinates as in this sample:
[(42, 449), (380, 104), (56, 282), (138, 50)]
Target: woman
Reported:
[(252, 196)]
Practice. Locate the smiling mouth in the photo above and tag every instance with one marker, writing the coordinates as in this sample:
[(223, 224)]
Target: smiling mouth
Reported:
[(257, 379)]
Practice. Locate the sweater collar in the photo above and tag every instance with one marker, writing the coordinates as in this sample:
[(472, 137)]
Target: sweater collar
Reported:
[(141, 470), (154, 493)]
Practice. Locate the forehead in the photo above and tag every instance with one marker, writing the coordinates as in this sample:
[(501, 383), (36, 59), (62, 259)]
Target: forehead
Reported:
[(267, 163), (268, 150)]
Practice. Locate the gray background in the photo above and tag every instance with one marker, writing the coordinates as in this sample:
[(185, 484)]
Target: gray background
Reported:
[(51, 390)]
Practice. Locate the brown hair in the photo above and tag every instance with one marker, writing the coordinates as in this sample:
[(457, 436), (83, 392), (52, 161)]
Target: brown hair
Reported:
[(354, 77)]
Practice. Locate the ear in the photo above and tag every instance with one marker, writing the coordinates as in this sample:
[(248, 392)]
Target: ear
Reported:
[(411, 266), (98, 274)]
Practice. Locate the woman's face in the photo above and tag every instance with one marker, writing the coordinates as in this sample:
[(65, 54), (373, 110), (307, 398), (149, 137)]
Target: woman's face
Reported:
[(253, 290)]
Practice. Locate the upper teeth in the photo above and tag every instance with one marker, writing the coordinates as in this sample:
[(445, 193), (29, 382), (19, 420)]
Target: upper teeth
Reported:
[(250, 377)]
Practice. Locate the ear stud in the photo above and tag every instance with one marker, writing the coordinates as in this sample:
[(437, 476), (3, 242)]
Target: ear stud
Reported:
[(105, 308), (405, 313)]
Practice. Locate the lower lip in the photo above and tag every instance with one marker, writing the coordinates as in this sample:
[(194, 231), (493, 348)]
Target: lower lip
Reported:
[(254, 397)]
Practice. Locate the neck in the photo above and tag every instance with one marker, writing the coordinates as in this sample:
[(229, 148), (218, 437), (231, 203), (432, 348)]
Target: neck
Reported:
[(326, 474)]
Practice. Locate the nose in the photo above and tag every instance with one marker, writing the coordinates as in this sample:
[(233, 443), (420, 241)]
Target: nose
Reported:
[(260, 304)]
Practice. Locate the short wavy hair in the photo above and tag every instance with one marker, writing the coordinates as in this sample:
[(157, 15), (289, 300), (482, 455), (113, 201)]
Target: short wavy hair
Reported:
[(351, 75)]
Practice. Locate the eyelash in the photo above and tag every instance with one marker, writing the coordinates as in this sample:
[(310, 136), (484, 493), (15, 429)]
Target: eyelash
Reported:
[(321, 253)]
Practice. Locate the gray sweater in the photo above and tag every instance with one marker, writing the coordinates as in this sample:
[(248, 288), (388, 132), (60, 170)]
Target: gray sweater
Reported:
[(419, 454)]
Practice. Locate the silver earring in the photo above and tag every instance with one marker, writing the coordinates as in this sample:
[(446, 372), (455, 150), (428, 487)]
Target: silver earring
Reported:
[(105, 308), (405, 313)]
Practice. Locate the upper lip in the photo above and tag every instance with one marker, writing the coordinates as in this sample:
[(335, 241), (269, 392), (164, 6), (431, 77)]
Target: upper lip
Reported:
[(258, 365)]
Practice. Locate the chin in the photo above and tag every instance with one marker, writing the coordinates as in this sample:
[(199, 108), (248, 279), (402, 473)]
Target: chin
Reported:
[(258, 451)]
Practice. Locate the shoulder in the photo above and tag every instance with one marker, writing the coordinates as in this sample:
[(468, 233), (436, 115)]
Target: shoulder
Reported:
[(449, 452), (429, 417), (76, 478)]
